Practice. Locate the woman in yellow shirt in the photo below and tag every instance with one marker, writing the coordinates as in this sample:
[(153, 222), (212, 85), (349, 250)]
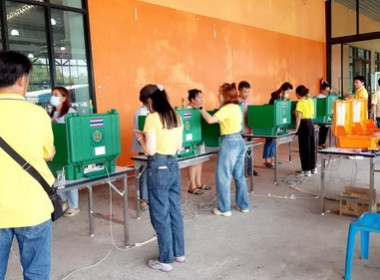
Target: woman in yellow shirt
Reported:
[(305, 130), (161, 139), (232, 150)]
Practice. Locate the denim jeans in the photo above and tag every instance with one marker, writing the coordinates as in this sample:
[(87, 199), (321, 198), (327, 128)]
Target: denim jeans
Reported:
[(230, 164), (164, 189), (269, 146), (72, 198), (35, 250)]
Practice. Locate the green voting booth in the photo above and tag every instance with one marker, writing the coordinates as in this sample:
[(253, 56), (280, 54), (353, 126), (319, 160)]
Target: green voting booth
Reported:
[(86, 145)]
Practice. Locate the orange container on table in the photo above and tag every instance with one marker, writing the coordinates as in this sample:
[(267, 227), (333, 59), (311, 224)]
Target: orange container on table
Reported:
[(351, 125)]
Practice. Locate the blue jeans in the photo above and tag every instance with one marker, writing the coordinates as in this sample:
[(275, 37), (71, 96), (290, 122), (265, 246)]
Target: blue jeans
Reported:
[(269, 146), (164, 189), (231, 164), (35, 250), (72, 198)]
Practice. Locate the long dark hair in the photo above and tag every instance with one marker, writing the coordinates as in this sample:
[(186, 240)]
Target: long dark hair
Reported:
[(160, 104), (66, 104), (277, 94)]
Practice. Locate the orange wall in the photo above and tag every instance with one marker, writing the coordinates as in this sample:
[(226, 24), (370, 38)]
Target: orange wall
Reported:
[(135, 43)]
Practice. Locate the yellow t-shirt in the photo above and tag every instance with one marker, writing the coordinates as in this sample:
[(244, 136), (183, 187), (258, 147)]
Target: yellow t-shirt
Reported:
[(230, 119), (27, 129), (306, 107), (376, 101), (167, 140), (361, 93)]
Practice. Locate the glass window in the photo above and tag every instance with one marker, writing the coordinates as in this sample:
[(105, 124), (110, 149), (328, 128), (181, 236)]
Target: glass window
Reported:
[(27, 34), (360, 63), (70, 56), (377, 62), (343, 18), (369, 16), (71, 3)]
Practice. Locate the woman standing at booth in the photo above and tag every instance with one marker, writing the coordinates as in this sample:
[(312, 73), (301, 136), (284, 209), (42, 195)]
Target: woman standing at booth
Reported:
[(269, 146), (305, 130), (232, 150), (195, 97), (161, 139), (61, 102)]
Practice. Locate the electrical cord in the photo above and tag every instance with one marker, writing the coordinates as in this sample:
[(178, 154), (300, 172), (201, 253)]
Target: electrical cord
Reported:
[(113, 243)]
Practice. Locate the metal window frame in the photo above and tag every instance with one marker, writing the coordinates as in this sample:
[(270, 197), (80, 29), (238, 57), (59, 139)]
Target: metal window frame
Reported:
[(342, 40), (49, 36)]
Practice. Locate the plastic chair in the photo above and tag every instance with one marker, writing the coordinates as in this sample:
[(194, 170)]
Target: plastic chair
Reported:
[(366, 223)]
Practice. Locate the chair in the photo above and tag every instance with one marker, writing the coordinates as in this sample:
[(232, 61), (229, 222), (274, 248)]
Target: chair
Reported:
[(366, 223)]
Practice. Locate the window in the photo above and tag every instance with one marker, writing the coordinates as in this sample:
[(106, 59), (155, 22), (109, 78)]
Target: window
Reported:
[(55, 45), (71, 3), (70, 55), (353, 42), (26, 29), (360, 64), (377, 62)]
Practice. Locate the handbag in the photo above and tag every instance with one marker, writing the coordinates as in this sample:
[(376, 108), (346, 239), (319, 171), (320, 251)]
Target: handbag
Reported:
[(50, 190)]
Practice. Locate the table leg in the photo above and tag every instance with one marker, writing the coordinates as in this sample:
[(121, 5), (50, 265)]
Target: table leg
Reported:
[(90, 210), (137, 183), (330, 135), (275, 160), (323, 184), (316, 139), (371, 205), (125, 211)]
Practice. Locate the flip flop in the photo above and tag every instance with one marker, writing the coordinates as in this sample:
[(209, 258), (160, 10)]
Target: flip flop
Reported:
[(71, 212), (204, 187), (195, 191)]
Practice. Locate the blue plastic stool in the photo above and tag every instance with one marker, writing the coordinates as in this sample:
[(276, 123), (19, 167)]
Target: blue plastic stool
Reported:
[(366, 223)]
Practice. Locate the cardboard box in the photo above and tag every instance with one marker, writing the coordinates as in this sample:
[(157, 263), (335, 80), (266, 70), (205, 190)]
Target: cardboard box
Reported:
[(354, 201)]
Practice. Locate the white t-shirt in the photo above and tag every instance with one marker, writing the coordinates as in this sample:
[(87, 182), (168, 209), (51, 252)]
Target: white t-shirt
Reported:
[(56, 119), (321, 95)]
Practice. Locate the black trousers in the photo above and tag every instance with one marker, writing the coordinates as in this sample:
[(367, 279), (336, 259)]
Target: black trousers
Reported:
[(306, 144), (322, 134)]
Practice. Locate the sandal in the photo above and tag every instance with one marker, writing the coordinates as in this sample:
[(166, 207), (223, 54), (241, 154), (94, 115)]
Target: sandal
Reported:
[(195, 191), (204, 187), (65, 206), (71, 212)]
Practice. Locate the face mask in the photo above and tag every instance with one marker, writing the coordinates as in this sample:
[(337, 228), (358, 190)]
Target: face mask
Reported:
[(286, 95), (55, 101)]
